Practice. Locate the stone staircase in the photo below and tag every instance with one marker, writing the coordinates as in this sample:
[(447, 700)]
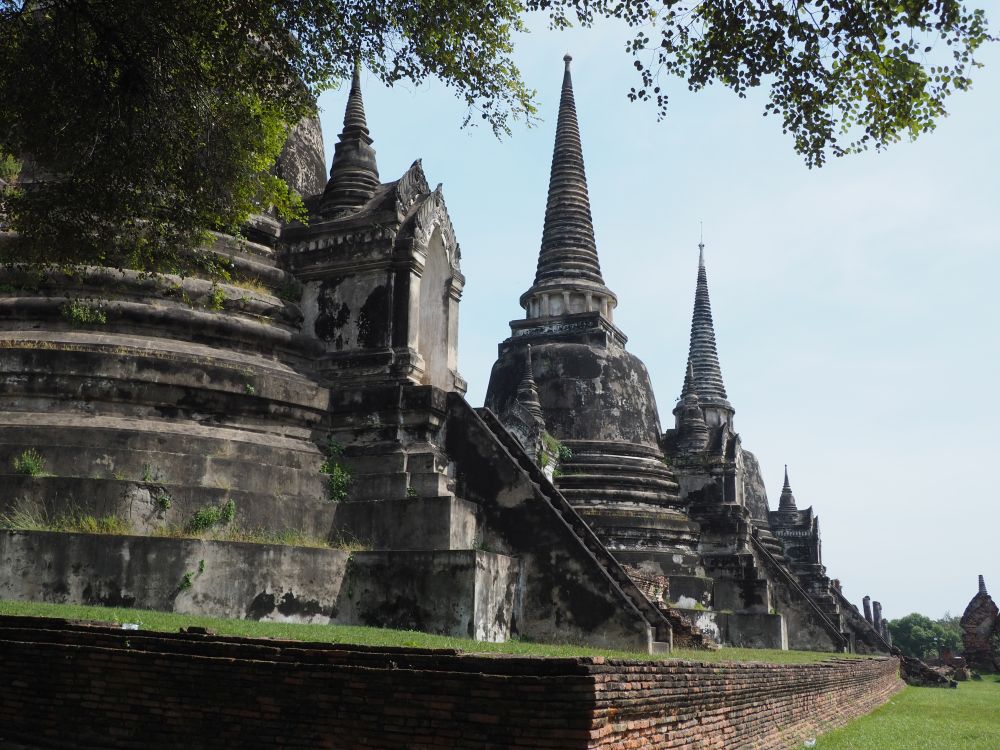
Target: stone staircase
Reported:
[(658, 621)]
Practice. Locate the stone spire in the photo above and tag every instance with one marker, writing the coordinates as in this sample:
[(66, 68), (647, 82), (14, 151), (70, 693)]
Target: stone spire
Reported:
[(568, 277), (354, 173), (787, 500), (703, 358), (982, 585), (527, 391)]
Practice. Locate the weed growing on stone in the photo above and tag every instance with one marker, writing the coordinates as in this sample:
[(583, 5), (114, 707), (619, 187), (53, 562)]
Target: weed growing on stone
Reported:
[(251, 285), (24, 519), (30, 463), (101, 525), (81, 314), (33, 518), (163, 501), (284, 538), (210, 516), (187, 581), (339, 477), (348, 543), (338, 480), (216, 298)]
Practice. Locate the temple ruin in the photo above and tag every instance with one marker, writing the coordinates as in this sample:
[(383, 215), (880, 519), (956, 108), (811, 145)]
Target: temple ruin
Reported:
[(980, 625), (317, 391)]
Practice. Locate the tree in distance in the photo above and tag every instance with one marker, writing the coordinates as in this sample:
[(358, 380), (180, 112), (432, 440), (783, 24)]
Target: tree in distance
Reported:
[(147, 124), (920, 636)]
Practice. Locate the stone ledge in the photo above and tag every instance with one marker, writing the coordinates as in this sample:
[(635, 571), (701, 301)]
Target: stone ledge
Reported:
[(463, 593)]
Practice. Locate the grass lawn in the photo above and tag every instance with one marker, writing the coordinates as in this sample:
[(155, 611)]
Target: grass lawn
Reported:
[(169, 621), (927, 719)]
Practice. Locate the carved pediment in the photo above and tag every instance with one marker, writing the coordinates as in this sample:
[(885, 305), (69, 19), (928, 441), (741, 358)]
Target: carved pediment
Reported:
[(430, 216), (410, 187)]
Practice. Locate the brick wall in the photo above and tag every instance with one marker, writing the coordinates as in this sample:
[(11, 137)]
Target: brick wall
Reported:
[(65, 685)]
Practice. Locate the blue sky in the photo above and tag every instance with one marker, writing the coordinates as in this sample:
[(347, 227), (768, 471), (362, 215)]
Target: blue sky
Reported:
[(855, 305)]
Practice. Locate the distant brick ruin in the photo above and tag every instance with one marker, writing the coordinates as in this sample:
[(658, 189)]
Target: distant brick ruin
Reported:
[(980, 625), (316, 393)]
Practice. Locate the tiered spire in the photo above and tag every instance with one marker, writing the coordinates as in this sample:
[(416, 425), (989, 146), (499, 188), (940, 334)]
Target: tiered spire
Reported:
[(354, 172), (982, 585), (568, 245), (787, 500), (568, 277), (527, 391), (692, 431), (703, 357)]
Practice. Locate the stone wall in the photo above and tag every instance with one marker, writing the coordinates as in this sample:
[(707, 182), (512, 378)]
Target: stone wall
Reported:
[(76, 686), (463, 593)]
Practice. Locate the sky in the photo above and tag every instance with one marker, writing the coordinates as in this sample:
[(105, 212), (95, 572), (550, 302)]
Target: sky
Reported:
[(855, 305)]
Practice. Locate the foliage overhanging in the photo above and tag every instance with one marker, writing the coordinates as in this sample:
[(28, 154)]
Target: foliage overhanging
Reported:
[(143, 125)]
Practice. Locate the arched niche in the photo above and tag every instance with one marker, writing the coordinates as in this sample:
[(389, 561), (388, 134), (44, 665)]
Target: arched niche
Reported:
[(434, 291), (433, 337)]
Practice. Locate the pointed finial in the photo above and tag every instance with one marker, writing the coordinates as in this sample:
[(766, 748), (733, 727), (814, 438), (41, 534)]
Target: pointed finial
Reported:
[(982, 585), (527, 391), (567, 58), (354, 172), (703, 355), (787, 500), (687, 390)]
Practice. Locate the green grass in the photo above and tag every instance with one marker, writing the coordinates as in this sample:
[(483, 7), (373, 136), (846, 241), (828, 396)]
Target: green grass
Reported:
[(927, 719), (171, 622), (31, 519)]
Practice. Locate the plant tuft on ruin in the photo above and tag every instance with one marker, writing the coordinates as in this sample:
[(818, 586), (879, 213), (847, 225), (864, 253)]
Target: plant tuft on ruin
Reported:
[(30, 463), (338, 476), (204, 519), (83, 314)]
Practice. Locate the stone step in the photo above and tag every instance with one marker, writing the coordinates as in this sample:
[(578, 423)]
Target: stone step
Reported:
[(140, 504), (121, 434), (145, 346), (180, 467), (597, 496), (580, 481), (127, 381), (408, 523), (244, 326)]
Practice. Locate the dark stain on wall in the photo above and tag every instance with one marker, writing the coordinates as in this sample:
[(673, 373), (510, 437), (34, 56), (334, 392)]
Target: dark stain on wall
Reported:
[(290, 605), (261, 606), (332, 317), (373, 322)]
